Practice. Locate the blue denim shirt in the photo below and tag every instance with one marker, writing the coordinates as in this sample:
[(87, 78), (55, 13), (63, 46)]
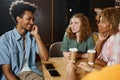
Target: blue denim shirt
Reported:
[(11, 51)]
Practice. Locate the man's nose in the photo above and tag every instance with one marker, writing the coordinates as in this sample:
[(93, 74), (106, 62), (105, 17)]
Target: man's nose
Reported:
[(31, 22)]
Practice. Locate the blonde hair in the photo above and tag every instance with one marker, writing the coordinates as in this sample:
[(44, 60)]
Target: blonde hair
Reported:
[(85, 30), (112, 15)]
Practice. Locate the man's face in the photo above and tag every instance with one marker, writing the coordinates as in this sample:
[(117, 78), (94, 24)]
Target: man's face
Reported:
[(26, 21), (103, 26)]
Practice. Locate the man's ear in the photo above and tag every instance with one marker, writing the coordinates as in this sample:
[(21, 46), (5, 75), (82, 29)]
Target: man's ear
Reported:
[(18, 19)]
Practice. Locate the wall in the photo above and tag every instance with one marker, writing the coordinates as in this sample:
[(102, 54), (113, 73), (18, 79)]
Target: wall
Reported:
[(60, 21), (50, 17), (6, 22), (53, 16)]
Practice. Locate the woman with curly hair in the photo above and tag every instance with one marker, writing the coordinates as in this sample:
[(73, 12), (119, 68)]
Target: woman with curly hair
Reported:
[(107, 48), (78, 35), (108, 45)]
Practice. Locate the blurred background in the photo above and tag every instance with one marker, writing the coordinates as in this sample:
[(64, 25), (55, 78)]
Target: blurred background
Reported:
[(52, 16)]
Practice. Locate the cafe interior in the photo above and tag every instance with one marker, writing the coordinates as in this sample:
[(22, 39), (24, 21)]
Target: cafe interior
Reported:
[(52, 18)]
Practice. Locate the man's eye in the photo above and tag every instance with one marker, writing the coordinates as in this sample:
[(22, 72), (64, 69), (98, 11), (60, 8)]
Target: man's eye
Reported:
[(28, 18)]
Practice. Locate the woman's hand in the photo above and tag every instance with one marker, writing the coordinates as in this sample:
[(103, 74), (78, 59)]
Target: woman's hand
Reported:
[(67, 55), (84, 66), (71, 67), (103, 36)]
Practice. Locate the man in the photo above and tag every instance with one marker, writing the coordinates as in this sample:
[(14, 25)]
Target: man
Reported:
[(20, 45)]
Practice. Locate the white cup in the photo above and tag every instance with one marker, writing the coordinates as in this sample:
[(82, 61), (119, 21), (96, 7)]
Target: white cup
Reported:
[(91, 56), (73, 54)]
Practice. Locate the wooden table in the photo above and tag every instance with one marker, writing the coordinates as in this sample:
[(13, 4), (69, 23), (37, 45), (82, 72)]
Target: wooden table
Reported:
[(60, 65)]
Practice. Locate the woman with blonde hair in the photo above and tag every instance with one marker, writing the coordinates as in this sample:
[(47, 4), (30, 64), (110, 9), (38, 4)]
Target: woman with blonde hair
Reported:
[(78, 35), (108, 48)]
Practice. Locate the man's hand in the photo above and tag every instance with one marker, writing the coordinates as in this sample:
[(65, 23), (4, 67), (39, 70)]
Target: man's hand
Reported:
[(6, 68), (34, 30), (42, 49)]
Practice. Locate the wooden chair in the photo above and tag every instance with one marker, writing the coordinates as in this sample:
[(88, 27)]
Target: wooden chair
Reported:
[(55, 50)]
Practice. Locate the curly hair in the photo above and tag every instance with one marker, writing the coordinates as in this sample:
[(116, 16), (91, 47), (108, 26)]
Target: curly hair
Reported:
[(112, 15), (18, 8), (85, 30)]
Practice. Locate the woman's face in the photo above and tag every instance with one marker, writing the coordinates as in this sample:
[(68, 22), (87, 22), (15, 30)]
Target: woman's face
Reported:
[(103, 26), (75, 24)]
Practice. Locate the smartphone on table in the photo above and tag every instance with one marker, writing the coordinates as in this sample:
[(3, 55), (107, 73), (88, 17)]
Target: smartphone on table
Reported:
[(54, 72), (49, 66)]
